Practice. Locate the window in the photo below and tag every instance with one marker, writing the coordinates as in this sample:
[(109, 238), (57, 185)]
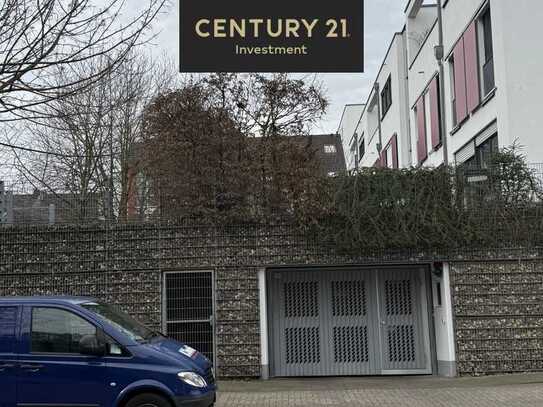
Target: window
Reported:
[(481, 154), (434, 113), (123, 322), (58, 331), (390, 159), (386, 97), (362, 149), (330, 149), (485, 151), (389, 156), (420, 123), (487, 52), (8, 323), (453, 92)]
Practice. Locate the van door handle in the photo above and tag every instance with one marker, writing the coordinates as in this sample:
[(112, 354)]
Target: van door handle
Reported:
[(31, 368)]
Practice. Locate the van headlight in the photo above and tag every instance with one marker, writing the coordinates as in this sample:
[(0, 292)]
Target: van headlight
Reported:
[(192, 378)]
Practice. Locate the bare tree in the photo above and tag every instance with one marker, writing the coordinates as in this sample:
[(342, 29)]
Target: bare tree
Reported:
[(274, 108), (42, 43), (90, 138), (272, 105), (221, 146)]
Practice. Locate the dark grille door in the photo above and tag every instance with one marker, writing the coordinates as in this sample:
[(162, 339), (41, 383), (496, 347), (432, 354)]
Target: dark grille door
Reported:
[(188, 309)]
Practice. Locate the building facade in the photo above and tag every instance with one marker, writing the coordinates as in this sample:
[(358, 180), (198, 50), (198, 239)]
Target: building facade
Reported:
[(491, 87)]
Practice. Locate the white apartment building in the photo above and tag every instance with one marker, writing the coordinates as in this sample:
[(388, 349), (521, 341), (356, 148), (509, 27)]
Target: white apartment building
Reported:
[(492, 87), (349, 137)]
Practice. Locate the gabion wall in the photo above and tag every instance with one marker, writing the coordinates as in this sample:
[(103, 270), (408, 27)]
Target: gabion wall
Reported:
[(499, 311), (123, 265), (499, 316)]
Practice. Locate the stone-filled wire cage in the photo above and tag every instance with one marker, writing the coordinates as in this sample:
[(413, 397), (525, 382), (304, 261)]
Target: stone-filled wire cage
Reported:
[(195, 284), (498, 316), (126, 262)]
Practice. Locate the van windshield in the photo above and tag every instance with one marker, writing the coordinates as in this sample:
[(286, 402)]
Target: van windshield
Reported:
[(120, 320)]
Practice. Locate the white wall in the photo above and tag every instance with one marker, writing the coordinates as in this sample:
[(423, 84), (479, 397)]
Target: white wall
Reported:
[(395, 122), (347, 128), (443, 323), (457, 16), (518, 64), (421, 72), (418, 29), (516, 105), (518, 57)]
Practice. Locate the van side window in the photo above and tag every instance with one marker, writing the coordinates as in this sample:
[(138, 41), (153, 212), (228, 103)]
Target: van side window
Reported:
[(8, 322), (58, 331)]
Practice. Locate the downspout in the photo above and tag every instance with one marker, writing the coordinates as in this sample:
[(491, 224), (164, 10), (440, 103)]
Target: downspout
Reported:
[(440, 54)]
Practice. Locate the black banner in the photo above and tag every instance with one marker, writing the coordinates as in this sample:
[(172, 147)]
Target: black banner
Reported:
[(272, 36)]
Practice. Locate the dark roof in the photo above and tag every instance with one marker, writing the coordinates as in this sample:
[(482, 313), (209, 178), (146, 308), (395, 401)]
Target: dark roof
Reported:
[(328, 150), (331, 160)]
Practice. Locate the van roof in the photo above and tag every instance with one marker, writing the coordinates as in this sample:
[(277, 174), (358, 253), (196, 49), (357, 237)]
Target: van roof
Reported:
[(46, 299)]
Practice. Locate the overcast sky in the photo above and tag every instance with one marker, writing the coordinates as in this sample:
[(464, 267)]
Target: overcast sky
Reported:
[(383, 18)]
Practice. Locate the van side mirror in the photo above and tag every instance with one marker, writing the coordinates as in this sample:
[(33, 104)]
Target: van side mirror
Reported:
[(91, 345)]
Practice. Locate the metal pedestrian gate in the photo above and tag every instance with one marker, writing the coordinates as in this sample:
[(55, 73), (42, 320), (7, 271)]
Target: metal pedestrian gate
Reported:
[(188, 309), (348, 322)]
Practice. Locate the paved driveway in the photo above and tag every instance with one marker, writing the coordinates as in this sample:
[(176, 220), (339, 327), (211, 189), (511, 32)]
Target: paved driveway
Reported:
[(497, 391)]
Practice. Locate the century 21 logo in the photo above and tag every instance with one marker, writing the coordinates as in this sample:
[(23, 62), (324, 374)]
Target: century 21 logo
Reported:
[(256, 27)]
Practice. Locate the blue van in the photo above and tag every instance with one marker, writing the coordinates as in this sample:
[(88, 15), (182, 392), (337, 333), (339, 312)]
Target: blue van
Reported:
[(79, 352)]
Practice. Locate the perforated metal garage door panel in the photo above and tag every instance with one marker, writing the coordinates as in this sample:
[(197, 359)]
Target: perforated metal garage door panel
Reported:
[(402, 329), (327, 323)]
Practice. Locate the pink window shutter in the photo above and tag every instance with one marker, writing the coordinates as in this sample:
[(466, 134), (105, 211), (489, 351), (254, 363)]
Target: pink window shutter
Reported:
[(460, 81), (422, 147), (434, 113), (472, 68), (383, 160), (394, 147)]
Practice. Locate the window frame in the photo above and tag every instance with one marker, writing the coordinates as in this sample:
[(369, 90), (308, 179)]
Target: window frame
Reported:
[(386, 96), (454, 113), (486, 51), (362, 148), (476, 162)]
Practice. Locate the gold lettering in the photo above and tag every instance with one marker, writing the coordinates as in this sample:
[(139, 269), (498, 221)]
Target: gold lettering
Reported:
[(199, 28), (219, 28), (256, 25), (275, 34), (310, 26), (237, 28), (292, 27)]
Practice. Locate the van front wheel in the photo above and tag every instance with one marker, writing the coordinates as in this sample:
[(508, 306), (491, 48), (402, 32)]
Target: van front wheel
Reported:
[(148, 400)]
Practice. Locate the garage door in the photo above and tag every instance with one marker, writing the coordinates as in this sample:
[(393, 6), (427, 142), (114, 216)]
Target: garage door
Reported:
[(348, 322)]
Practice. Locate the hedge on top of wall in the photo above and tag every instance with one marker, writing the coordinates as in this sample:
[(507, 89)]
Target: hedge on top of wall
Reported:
[(444, 208)]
